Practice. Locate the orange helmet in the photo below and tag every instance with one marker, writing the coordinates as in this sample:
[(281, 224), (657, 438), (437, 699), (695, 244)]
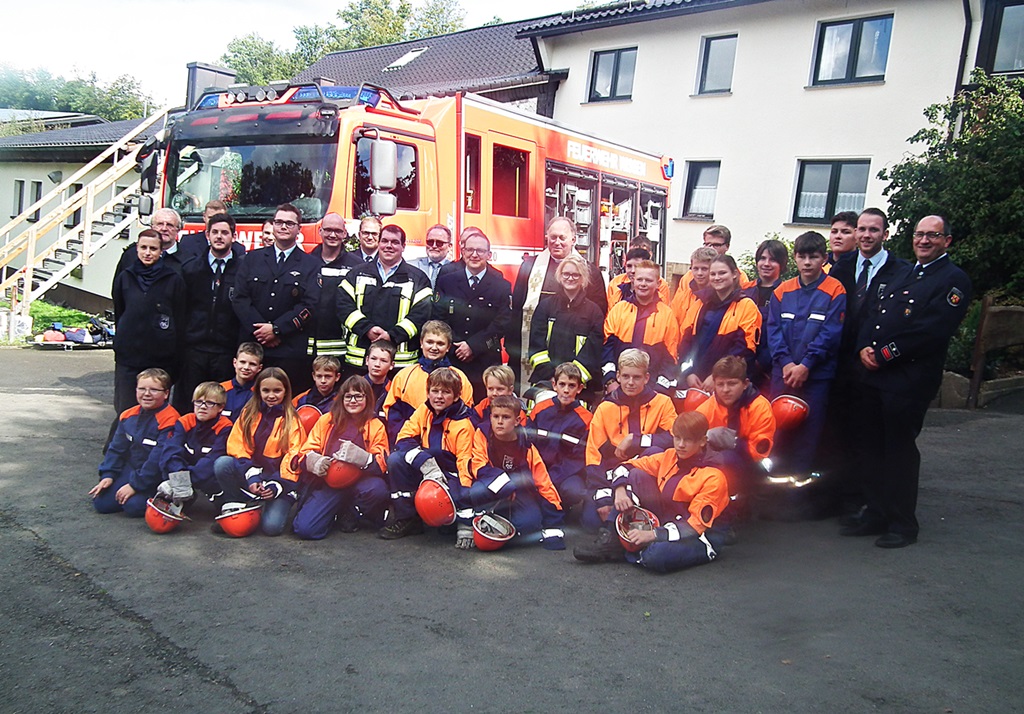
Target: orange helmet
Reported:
[(240, 519), (491, 531), (308, 416), (789, 411), (634, 519), (434, 504), (341, 474), (686, 400), (159, 519)]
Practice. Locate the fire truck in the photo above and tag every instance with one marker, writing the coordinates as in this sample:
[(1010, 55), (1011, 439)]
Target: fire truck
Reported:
[(459, 161)]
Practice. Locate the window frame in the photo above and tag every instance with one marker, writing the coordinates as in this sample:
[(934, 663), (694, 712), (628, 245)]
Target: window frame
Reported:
[(35, 194), (520, 207), (18, 204), (706, 43), (693, 172), (850, 77), (832, 195), (988, 41), (613, 96)]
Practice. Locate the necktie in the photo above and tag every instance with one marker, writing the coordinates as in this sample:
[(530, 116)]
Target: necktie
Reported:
[(280, 260), (473, 282), (434, 267), (369, 259), (218, 272), (862, 284)]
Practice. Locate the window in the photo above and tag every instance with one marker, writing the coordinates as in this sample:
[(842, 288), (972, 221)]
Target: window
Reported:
[(510, 183), (1001, 46), (407, 187), (701, 188), (611, 75), (37, 193), (19, 198), (853, 50), (827, 187), (471, 174), (716, 65), (75, 218)]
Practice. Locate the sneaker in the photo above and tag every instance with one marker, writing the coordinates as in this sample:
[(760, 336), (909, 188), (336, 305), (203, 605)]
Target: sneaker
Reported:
[(348, 522), (401, 529), (606, 549)]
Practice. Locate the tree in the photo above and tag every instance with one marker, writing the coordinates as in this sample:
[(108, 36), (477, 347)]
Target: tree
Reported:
[(368, 23), (969, 173), (258, 61), (436, 17), (37, 89)]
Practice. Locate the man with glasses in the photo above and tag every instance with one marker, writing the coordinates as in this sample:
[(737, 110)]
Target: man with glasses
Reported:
[(475, 300), (720, 238), (902, 347), (331, 257), (439, 241), (387, 299), (369, 236), (276, 296)]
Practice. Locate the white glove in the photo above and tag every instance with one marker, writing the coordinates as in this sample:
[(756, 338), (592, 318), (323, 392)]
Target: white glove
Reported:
[(317, 464), (352, 454), (165, 491), (722, 438), (432, 471), (181, 485)]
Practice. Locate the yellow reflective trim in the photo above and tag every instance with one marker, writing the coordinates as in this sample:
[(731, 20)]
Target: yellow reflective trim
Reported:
[(540, 358)]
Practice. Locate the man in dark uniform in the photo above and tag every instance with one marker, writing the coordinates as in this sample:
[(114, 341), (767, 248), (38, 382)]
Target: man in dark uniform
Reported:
[(864, 273), (276, 295), (369, 237), (330, 256), (167, 223), (197, 243), (387, 299), (902, 348), (536, 280), (475, 300), (211, 326)]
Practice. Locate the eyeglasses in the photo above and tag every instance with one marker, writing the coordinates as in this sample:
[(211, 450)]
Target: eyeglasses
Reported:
[(475, 251), (285, 224), (437, 243), (150, 390), (201, 404), (354, 397), (571, 276), (930, 235), (334, 231), (370, 234)]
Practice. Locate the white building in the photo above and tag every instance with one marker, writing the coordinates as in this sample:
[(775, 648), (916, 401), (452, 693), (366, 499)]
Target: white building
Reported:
[(777, 113)]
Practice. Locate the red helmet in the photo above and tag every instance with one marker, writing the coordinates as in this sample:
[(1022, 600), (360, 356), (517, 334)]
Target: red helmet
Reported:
[(53, 336), (491, 531), (159, 519), (434, 504), (308, 416), (686, 400), (342, 475), (789, 411), (239, 519), (634, 519)]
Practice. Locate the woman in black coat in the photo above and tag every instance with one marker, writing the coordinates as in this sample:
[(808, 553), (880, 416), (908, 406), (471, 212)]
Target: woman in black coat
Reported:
[(149, 312)]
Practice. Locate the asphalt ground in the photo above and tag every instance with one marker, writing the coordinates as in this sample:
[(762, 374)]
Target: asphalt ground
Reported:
[(97, 614)]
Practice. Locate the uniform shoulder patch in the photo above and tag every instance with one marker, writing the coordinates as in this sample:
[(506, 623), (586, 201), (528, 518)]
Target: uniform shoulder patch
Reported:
[(955, 297)]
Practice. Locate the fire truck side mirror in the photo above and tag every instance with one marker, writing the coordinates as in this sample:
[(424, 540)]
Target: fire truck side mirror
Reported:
[(145, 205), (383, 165), (383, 203), (148, 168)]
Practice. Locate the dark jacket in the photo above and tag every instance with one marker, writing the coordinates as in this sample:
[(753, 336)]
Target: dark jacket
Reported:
[(285, 297), (150, 317), (564, 331), (211, 323), (329, 333), (479, 318)]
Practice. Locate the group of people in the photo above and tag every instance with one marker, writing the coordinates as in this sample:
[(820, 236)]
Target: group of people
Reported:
[(352, 389)]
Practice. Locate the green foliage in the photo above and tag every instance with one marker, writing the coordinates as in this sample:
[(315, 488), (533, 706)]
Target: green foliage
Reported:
[(38, 89), (747, 265), (368, 23), (436, 17), (970, 173), (44, 314), (258, 61)]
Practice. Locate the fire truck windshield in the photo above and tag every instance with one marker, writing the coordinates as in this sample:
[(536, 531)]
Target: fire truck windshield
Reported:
[(252, 179)]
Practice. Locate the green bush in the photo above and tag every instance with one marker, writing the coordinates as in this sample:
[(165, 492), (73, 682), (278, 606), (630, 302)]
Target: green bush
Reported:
[(44, 314)]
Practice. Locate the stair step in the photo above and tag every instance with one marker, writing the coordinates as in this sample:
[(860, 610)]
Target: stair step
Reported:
[(42, 274), (75, 243), (65, 254), (52, 264)]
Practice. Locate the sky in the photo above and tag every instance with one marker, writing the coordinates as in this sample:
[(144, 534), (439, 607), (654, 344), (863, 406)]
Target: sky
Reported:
[(153, 41)]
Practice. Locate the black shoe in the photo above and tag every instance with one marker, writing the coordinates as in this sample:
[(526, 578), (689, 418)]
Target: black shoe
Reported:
[(401, 529), (348, 522), (895, 540), (852, 519), (863, 528), (606, 549), (215, 527)]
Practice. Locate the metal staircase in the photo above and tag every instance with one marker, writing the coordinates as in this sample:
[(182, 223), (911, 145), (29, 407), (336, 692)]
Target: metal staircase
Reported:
[(46, 250)]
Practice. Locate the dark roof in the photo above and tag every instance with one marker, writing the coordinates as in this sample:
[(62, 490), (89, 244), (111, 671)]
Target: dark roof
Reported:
[(93, 135), (623, 13), (478, 59)]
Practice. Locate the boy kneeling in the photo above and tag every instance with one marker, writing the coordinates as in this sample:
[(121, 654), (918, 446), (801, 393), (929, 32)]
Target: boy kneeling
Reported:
[(510, 476), (682, 490), (435, 443)]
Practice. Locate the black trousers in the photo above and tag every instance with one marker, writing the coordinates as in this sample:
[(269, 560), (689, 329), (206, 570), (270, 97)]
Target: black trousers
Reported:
[(298, 367), (198, 366), (889, 462)]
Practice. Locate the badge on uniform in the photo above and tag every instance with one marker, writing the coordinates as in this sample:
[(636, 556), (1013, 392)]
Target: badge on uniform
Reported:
[(890, 352), (165, 322), (955, 297), (507, 463), (881, 290)]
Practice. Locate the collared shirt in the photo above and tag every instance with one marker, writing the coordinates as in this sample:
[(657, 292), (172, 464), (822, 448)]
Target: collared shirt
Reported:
[(479, 276), (919, 267), (877, 261), (286, 253), (212, 259), (386, 273), (367, 257)]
